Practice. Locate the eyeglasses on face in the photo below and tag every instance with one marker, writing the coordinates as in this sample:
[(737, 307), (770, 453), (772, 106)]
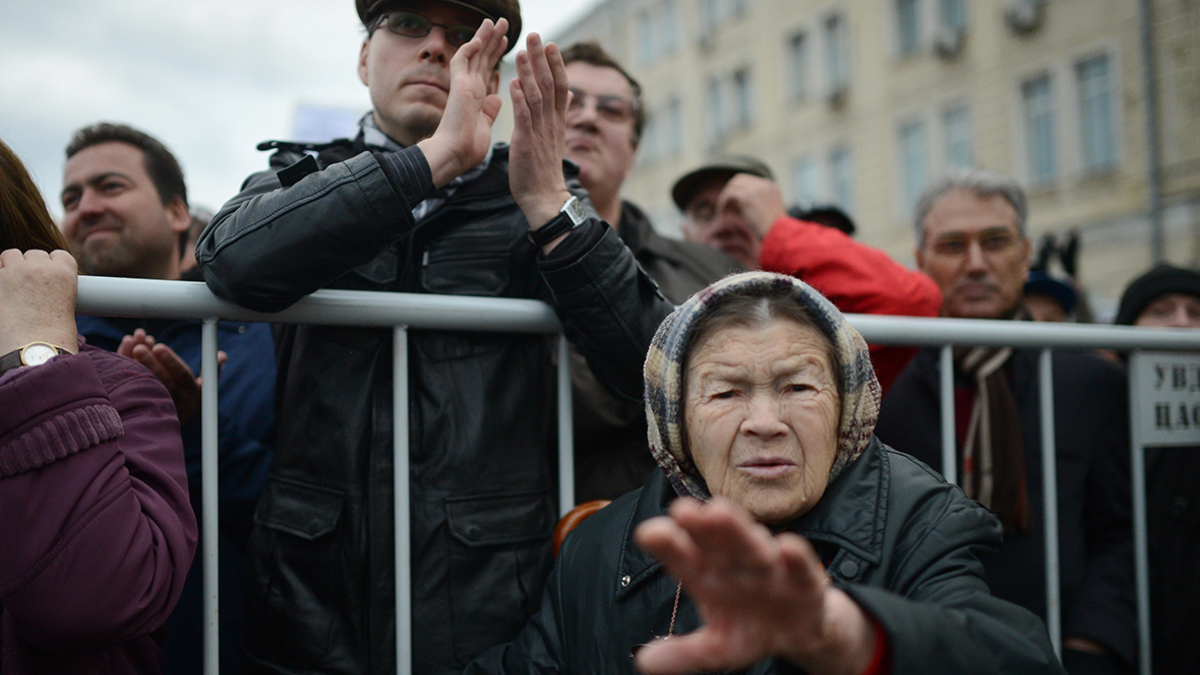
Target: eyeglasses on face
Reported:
[(990, 241), (411, 24), (609, 107)]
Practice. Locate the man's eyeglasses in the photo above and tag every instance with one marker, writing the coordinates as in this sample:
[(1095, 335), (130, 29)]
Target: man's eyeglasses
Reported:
[(990, 241), (408, 24), (611, 108)]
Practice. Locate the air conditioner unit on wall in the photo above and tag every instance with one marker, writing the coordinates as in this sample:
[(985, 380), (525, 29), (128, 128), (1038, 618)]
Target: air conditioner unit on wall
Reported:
[(948, 41), (1024, 16)]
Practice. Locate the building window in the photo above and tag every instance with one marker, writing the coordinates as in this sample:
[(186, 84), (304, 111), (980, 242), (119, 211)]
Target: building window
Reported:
[(956, 136), (837, 70), (672, 130), (645, 37), (650, 147), (953, 15), (913, 167), (797, 66), (806, 181), (841, 179), (743, 98), (1097, 130), (908, 27), (709, 19), (716, 111), (1038, 97), (669, 28)]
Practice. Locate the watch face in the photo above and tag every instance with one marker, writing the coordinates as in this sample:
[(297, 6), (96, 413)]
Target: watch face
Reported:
[(37, 354), (575, 211)]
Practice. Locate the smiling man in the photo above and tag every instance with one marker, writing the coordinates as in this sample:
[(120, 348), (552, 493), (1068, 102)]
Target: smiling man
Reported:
[(604, 126), (125, 214), (971, 239), (420, 201)]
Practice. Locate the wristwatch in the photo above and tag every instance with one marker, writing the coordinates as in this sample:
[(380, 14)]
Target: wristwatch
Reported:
[(32, 354), (570, 216)]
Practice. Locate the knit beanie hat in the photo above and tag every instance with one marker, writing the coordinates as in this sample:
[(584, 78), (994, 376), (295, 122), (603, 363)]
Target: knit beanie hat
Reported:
[(1160, 280), (664, 372)]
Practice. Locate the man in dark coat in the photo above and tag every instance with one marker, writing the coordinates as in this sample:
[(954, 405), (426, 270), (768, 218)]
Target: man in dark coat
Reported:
[(604, 127), (971, 240), (1169, 297), (421, 202)]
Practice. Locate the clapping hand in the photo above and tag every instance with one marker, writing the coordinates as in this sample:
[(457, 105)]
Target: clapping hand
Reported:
[(166, 365)]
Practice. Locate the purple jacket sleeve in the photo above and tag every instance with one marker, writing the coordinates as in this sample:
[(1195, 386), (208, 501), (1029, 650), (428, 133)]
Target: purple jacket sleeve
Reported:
[(94, 511)]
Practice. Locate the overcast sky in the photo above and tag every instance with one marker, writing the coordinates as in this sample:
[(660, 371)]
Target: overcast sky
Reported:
[(210, 78)]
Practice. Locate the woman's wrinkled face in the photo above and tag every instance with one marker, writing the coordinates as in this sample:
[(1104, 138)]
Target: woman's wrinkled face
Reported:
[(761, 411)]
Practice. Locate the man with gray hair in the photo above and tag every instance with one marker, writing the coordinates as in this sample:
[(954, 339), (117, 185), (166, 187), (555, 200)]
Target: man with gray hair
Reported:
[(971, 239)]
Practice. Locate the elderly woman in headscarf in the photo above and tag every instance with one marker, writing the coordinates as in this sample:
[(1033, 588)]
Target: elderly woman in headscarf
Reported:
[(781, 535)]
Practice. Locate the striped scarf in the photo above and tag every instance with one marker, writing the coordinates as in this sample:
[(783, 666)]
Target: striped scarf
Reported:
[(993, 457)]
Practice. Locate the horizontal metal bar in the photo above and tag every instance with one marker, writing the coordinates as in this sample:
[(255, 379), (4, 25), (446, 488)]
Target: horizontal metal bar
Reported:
[(928, 332), (149, 298), (153, 298)]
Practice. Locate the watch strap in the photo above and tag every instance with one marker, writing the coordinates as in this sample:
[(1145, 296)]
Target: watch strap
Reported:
[(16, 358), (570, 216), (10, 360)]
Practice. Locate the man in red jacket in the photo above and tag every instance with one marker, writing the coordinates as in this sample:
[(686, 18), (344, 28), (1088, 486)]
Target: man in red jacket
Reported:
[(734, 204)]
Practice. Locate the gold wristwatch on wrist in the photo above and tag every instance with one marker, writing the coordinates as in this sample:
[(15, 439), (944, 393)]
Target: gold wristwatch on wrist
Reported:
[(32, 354)]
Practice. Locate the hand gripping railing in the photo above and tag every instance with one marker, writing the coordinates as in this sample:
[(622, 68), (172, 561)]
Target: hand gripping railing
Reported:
[(399, 311)]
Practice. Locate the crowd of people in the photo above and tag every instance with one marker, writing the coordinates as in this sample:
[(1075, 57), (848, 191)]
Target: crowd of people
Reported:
[(776, 502)]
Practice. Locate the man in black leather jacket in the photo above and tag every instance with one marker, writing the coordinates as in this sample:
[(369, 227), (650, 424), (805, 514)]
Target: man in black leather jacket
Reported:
[(419, 202)]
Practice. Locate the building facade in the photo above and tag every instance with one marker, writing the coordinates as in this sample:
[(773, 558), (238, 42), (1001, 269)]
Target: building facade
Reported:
[(860, 102)]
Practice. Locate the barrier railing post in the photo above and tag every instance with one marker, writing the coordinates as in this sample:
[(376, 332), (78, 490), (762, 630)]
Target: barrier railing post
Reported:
[(1141, 556), (208, 492), (566, 431), (949, 432), (401, 500), (1050, 498)]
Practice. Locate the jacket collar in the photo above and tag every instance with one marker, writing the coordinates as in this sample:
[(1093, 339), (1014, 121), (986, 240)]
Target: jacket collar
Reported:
[(850, 517)]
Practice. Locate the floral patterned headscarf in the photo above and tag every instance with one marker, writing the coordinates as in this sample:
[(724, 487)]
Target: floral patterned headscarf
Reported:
[(664, 372)]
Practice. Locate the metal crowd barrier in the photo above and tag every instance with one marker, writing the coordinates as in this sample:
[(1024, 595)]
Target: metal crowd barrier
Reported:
[(401, 312)]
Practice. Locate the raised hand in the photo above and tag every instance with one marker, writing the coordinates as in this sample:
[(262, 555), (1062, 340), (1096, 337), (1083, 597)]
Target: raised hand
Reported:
[(37, 299), (757, 199), (171, 370), (759, 596), (462, 138), (540, 96)]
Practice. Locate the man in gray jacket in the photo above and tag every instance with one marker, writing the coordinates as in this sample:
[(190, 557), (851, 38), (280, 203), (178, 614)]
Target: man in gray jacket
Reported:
[(419, 202)]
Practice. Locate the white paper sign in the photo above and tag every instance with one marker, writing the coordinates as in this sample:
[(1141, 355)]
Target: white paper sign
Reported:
[(1165, 396)]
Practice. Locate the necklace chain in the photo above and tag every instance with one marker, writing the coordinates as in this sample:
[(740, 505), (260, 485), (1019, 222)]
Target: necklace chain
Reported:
[(674, 611)]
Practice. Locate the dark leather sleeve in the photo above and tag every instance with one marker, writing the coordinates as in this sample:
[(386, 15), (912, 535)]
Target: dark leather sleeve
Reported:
[(269, 246), (611, 310)]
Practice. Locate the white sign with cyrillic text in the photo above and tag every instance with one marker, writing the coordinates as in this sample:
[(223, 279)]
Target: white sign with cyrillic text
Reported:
[(1165, 392)]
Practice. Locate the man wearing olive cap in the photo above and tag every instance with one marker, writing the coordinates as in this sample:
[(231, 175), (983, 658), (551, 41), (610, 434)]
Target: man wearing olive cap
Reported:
[(420, 202), (733, 203)]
